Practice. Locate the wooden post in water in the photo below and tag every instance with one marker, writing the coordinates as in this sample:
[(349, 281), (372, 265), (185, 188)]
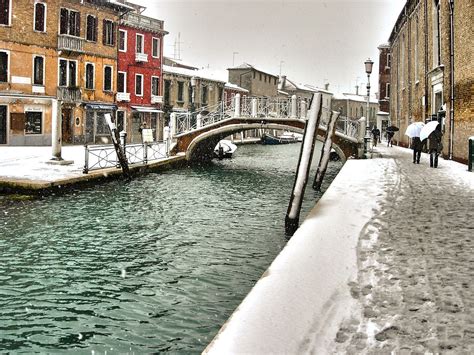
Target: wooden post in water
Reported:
[(118, 149), (304, 164), (325, 151)]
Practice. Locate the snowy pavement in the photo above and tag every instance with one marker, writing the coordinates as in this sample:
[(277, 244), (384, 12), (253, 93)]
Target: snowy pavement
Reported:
[(383, 264)]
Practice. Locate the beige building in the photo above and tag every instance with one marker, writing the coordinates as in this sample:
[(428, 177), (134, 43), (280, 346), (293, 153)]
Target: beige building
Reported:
[(432, 73), (256, 81), (354, 106)]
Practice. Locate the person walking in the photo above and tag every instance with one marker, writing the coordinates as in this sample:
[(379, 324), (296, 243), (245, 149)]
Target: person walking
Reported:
[(376, 135), (390, 135), (417, 146), (435, 146)]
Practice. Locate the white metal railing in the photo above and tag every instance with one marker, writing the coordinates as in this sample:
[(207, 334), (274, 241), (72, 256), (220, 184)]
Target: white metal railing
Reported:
[(258, 107)]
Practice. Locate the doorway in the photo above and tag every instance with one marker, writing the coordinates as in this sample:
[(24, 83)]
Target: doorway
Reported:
[(67, 123), (3, 125)]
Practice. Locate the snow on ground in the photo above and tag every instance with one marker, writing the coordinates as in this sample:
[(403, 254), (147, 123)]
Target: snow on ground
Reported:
[(383, 264)]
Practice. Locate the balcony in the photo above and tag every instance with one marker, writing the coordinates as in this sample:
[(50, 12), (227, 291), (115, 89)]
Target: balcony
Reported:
[(156, 99), (69, 94), (143, 22), (70, 43), (123, 96), (141, 57)]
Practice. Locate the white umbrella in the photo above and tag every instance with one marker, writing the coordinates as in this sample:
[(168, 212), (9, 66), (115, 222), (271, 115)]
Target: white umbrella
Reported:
[(428, 129), (414, 129)]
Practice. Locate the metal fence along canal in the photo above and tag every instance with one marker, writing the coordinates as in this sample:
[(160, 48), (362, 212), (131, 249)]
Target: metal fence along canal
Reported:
[(154, 265)]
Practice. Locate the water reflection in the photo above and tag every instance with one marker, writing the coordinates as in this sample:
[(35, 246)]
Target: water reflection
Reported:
[(155, 265)]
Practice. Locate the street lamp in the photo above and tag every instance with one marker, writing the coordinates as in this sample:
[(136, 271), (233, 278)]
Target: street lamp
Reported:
[(368, 69)]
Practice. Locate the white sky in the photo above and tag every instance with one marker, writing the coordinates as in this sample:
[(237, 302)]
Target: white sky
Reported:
[(315, 40)]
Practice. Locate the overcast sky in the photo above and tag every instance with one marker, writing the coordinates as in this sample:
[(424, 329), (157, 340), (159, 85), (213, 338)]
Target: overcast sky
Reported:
[(313, 41)]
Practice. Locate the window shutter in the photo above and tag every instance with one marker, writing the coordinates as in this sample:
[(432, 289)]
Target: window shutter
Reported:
[(3, 67), (104, 31), (4, 12), (114, 34), (96, 27), (63, 22), (39, 17), (77, 26)]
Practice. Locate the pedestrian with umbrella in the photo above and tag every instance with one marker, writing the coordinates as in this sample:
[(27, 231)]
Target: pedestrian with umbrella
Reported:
[(435, 146), (390, 133), (376, 135), (413, 131)]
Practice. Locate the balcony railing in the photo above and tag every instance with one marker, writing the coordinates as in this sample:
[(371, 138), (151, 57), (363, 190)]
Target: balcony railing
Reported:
[(68, 94), (156, 99), (144, 22), (70, 43), (123, 96), (141, 57)]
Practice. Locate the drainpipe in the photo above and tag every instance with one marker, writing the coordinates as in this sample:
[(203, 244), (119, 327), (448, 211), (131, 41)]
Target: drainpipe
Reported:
[(451, 79), (426, 60)]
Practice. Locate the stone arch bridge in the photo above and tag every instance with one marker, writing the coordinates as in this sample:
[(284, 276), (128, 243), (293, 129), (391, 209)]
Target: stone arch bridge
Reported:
[(197, 134)]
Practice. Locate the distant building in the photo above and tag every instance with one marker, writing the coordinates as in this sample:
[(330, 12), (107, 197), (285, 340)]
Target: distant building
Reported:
[(384, 77), (291, 88), (432, 72), (171, 62), (256, 81), (354, 106), (139, 76)]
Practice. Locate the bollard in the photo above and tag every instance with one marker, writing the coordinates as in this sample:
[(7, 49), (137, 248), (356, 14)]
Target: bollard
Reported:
[(471, 153)]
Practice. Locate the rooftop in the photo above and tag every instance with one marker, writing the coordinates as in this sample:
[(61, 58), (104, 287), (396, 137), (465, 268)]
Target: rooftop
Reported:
[(250, 66)]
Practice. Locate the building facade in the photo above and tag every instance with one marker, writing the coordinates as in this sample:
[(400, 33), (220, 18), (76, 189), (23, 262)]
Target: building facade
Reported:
[(57, 58), (431, 48), (354, 106), (256, 81), (139, 76), (384, 77)]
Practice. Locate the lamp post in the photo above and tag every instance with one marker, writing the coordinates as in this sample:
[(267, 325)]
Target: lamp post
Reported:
[(368, 69)]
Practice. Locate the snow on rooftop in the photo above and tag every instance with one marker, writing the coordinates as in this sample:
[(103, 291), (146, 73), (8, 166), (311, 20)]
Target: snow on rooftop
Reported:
[(235, 87), (250, 66), (354, 97), (201, 73)]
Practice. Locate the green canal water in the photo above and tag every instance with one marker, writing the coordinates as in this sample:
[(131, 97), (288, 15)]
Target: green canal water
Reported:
[(156, 265)]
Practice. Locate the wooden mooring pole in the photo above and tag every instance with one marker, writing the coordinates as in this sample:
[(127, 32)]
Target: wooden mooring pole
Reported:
[(304, 164), (325, 151), (122, 158)]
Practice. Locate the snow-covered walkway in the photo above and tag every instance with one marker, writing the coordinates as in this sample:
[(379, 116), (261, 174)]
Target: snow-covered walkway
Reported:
[(383, 264)]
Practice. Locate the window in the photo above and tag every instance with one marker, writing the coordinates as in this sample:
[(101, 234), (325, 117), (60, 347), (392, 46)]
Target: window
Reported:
[(90, 76), (387, 90), (121, 81), (102, 128), (120, 121), (155, 85), (139, 84), (139, 45), (122, 40), (402, 62), (67, 73), (70, 23), (5, 12), (33, 122), (108, 35), (181, 91), (416, 47), (167, 92), (389, 60), (204, 94), (107, 78), (91, 31), (436, 35), (4, 66), (155, 51), (38, 70), (40, 17)]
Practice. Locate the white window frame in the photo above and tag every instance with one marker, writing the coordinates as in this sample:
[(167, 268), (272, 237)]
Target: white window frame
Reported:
[(389, 61), (142, 86), (151, 85), (33, 70), (85, 76), (67, 72), (157, 48), (10, 8), (125, 42), (111, 78), (125, 81), (143, 43), (45, 16), (8, 64), (387, 90)]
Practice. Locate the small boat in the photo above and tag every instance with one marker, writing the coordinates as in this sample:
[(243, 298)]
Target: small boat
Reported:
[(285, 138), (224, 149)]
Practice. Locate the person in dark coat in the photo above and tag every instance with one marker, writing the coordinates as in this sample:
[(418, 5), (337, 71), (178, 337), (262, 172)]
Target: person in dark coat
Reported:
[(435, 146), (417, 146), (376, 135), (390, 135)]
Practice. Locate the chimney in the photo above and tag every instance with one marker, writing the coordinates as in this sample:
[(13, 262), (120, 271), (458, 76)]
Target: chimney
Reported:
[(326, 86), (282, 82), (357, 89)]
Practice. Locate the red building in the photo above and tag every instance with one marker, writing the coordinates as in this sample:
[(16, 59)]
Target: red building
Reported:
[(139, 76)]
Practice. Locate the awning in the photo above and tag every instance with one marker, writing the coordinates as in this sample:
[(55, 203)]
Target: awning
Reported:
[(104, 107), (146, 109)]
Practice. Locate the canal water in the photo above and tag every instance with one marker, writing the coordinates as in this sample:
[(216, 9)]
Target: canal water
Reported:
[(156, 265)]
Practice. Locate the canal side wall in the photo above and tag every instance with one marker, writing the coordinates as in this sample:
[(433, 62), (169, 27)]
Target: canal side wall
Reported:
[(303, 297)]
